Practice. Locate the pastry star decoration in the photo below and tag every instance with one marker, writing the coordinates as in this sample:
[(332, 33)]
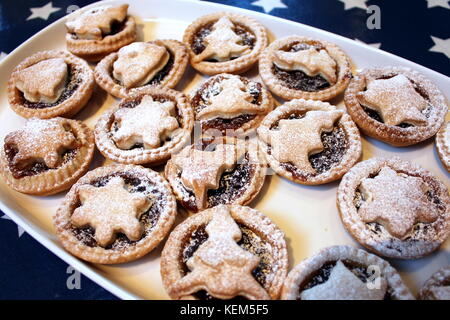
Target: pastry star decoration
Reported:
[(138, 63), (42, 141), (111, 209), (344, 285), (397, 202), (220, 266), (95, 23), (232, 101), (311, 61), (395, 99), (298, 138), (149, 123), (222, 43), (201, 170), (44, 81)]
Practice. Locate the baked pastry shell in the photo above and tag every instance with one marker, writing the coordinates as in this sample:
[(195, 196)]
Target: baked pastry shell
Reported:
[(439, 278), (443, 145)]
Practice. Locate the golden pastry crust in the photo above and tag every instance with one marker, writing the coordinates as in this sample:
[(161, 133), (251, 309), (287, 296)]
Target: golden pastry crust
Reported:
[(302, 272), (278, 87), (96, 49), (152, 156), (298, 107), (439, 279), (172, 267), (120, 251), (419, 239), (235, 66), (66, 108), (247, 159), (211, 109), (443, 145), (52, 181), (105, 79), (395, 134)]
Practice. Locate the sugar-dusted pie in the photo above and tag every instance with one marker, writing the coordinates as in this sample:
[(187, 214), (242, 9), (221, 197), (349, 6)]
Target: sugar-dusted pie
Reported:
[(230, 105), (344, 273), (50, 84), (142, 64), (96, 32), (216, 171), (297, 67), (224, 42), (115, 214), (443, 145), (46, 156), (309, 142), (438, 286), (394, 208), (146, 127), (226, 252), (396, 105)]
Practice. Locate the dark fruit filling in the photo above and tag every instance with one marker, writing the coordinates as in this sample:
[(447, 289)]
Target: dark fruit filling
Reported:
[(231, 186), (116, 27), (198, 45), (149, 219), (323, 274), (250, 242), (73, 82)]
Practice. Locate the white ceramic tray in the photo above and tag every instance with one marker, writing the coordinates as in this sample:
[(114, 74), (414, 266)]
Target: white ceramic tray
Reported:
[(307, 215)]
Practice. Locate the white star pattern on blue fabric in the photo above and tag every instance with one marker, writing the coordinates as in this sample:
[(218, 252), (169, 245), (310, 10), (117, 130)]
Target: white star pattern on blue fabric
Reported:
[(20, 230), (269, 5), (375, 45), (43, 12), (441, 45), (438, 3), (350, 4)]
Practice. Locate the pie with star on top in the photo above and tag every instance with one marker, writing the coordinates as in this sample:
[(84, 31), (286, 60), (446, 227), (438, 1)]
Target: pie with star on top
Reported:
[(438, 286), (216, 171), (146, 127), (394, 208), (50, 84), (115, 214), (46, 156), (226, 252), (309, 142), (344, 273), (297, 67), (228, 104), (224, 42), (94, 33), (396, 105), (141, 65)]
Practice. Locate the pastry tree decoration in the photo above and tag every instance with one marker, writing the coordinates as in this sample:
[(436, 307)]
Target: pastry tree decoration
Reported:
[(220, 266), (111, 209), (222, 43), (149, 123)]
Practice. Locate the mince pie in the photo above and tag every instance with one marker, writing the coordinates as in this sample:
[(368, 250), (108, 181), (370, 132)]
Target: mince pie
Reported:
[(309, 142), (395, 105), (46, 156), (300, 67), (142, 64), (344, 273), (226, 252), (94, 33), (230, 105), (115, 214), (438, 286), (50, 84), (224, 42), (146, 127), (216, 171), (394, 208), (443, 145)]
